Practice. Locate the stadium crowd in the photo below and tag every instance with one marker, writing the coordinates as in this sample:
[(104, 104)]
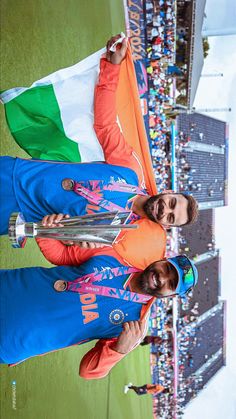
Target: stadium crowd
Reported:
[(160, 26)]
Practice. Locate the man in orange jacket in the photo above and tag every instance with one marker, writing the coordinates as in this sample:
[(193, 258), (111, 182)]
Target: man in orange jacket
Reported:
[(151, 213)]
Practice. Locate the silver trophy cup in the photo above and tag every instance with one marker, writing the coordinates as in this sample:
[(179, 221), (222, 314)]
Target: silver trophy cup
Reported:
[(99, 228)]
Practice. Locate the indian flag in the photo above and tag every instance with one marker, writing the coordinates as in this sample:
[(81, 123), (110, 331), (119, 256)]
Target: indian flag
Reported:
[(53, 118)]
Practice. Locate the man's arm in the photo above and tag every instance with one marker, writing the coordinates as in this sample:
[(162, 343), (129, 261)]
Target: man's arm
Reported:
[(116, 150), (98, 362), (58, 253)]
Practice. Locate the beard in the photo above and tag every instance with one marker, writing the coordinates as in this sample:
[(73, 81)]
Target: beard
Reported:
[(144, 283), (149, 206)]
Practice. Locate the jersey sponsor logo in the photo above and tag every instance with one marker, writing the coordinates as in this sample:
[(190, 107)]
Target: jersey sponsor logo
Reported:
[(89, 308), (116, 316)]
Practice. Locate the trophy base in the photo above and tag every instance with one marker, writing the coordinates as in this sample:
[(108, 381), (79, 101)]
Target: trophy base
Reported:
[(16, 230)]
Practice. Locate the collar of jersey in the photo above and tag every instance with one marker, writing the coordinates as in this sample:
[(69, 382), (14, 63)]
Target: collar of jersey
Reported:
[(130, 202), (126, 282)]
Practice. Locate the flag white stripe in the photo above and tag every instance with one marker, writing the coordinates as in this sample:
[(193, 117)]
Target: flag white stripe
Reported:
[(74, 92), (58, 76), (75, 97)]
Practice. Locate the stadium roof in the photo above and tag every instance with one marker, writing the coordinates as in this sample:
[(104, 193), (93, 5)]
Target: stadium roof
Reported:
[(196, 58)]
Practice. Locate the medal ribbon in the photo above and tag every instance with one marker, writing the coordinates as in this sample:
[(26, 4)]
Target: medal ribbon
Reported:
[(124, 187), (85, 284), (111, 292), (96, 199)]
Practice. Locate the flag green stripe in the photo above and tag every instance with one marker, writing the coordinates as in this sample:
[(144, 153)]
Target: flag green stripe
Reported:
[(35, 122)]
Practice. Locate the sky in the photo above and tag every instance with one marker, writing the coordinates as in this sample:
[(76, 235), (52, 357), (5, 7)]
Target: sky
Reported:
[(218, 399), (220, 14)]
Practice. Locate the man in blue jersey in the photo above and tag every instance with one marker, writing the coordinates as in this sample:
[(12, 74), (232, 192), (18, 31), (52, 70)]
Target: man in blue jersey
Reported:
[(37, 188), (101, 299)]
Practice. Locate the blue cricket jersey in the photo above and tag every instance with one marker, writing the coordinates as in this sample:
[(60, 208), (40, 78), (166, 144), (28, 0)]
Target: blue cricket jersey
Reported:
[(36, 319), (34, 187)]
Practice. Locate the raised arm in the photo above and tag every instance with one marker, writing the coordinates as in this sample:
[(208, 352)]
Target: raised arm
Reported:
[(116, 150)]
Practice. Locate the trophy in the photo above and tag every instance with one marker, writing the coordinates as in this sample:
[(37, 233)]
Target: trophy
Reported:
[(100, 228)]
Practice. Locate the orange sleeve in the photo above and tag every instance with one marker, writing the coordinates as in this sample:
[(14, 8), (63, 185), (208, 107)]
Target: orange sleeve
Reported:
[(59, 254), (116, 150), (98, 362)]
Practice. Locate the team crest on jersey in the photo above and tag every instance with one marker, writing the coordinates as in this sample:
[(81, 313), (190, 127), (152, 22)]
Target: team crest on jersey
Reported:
[(116, 316)]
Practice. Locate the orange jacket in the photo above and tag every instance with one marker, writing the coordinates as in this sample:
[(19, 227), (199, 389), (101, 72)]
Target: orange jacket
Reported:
[(146, 244)]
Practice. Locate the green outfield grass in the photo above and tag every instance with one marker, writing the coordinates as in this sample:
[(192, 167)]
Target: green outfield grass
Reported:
[(37, 38)]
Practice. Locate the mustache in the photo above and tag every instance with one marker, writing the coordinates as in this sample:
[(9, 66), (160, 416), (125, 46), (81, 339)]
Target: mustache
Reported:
[(145, 285)]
